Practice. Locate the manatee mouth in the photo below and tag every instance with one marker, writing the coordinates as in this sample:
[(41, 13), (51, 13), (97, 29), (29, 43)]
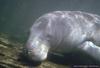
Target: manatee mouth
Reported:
[(38, 50)]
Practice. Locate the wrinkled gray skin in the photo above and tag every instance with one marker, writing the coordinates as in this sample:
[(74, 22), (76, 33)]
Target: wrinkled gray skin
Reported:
[(62, 32)]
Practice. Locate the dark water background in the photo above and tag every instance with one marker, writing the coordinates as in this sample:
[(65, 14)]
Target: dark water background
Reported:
[(17, 16)]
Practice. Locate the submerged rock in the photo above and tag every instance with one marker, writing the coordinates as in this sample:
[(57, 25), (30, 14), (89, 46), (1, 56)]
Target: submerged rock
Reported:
[(10, 56)]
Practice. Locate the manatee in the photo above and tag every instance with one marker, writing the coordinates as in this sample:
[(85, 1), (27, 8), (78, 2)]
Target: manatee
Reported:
[(63, 32)]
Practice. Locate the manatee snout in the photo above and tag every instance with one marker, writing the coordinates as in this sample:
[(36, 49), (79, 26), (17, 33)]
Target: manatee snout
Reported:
[(37, 49)]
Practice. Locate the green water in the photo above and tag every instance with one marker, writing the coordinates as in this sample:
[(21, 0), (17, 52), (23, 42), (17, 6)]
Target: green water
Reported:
[(17, 16)]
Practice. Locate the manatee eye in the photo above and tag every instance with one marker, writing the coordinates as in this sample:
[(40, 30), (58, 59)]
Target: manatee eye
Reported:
[(49, 36)]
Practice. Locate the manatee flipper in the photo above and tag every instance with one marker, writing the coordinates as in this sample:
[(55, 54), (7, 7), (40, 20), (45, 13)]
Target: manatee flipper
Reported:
[(91, 49)]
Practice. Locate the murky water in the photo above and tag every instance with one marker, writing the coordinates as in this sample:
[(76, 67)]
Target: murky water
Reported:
[(17, 16)]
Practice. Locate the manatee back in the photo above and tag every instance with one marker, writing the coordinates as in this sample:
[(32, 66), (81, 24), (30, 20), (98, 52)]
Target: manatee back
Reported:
[(66, 27)]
